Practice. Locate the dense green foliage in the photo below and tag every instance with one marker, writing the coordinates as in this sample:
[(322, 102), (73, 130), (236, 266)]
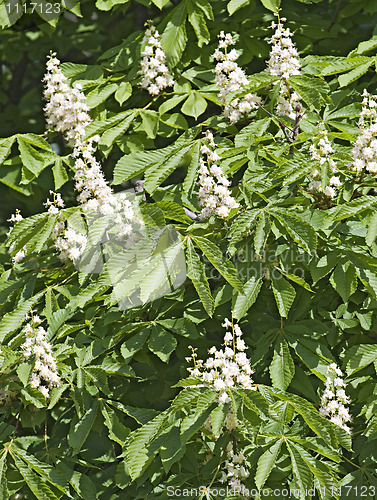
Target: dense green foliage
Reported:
[(298, 271)]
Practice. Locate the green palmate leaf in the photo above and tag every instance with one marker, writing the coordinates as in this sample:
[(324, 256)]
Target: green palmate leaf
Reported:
[(344, 280), (99, 126), (284, 294), (252, 133), (266, 463), (343, 64), (112, 134), (314, 91), (242, 223), (24, 371), (173, 449), (195, 105), (372, 230), (298, 229), (123, 92), (117, 431), (308, 412), (32, 159), (171, 102), (234, 5), (174, 211), (196, 273), (60, 173), (174, 37), (150, 122), (83, 486), (262, 230), (194, 421), (300, 469), (272, 5), (156, 174), (56, 394), (53, 475), (134, 164), (198, 22), (137, 441), (360, 356), (160, 3), (38, 487), (282, 368), (141, 415), (134, 344), (80, 431), (162, 343), (243, 302), (351, 208), (5, 147), (192, 170), (13, 320), (4, 492), (320, 268), (217, 420), (216, 258), (355, 74), (100, 94), (33, 396)]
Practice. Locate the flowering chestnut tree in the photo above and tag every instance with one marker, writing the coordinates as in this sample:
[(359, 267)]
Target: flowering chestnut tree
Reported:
[(170, 169)]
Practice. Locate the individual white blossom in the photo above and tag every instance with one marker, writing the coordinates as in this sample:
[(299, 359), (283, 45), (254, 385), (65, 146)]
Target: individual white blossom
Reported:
[(284, 62), (230, 77), (154, 71), (321, 151), (225, 368), (334, 399), (45, 374), (214, 195), (364, 151), (66, 111)]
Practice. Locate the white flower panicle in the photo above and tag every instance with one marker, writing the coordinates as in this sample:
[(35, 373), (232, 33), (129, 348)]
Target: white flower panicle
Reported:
[(321, 152), (334, 399), (365, 149), (66, 111), (230, 77), (214, 195), (284, 62), (225, 368), (45, 374), (234, 471), (154, 71), (95, 195)]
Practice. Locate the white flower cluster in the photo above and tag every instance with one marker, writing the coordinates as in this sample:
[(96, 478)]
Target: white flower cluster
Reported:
[(45, 375), (365, 149), (226, 368), (214, 195), (234, 470), (155, 73), (321, 151), (66, 111), (284, 62), (334, 398), (230, 77), (95, 195), (20, 255)]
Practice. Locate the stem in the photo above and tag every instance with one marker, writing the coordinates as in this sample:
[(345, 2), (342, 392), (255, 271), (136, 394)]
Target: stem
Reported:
[(349, 461), (217, 470)]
